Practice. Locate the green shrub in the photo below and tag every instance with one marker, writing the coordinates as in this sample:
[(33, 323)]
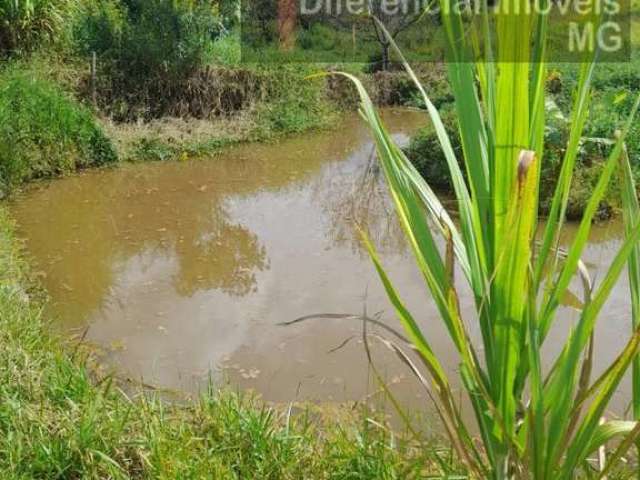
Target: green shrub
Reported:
[(230, 11), (426, 155), (292, 105), (318, 37), (612, 99), (165, 38), (98, 27), (44, 132)]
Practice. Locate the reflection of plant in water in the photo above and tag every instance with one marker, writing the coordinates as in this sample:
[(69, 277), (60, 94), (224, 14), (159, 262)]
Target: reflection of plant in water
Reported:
[(191, 227), (363, 204), (225, 259)]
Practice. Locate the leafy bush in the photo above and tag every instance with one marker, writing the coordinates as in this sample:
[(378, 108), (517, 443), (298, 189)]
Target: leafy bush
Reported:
[(426, 155), (99, 26), (230, 11), (165, 38), (292, 105), (225, 50), (44, 132), (317, 37)]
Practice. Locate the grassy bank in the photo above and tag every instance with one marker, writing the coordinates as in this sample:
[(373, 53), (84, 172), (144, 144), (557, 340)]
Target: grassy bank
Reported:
[(167, 83), (253, 106), (297, 105), (61, 132), (46, 113), (58, 420), (45, 132)]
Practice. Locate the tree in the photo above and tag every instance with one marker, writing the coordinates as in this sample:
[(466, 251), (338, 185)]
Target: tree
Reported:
[(396, 17), (287, 23)]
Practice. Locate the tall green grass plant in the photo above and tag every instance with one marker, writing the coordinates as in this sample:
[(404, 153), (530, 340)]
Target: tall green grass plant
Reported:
[(534, 422), (27, 24)]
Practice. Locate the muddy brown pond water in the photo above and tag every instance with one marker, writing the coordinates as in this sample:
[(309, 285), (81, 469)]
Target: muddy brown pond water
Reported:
[(182, 271)]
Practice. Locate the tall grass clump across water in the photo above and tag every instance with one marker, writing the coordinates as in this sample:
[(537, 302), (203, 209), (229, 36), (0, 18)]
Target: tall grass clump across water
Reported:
[(534, 422), (27, 24)]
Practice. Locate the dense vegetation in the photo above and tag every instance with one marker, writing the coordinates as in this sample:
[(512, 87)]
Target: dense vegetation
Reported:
[(154, 60)]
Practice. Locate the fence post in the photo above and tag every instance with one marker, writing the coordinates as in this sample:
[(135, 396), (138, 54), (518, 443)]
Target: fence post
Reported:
[(94, 95)]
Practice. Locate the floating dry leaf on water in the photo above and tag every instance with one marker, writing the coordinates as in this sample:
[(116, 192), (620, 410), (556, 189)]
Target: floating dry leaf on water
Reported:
[(253, 373), (55, 259), (117, 346)]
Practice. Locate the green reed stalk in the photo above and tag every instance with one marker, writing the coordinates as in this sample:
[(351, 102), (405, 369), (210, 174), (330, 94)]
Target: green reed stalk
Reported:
[(631, 216), (534, 422)]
